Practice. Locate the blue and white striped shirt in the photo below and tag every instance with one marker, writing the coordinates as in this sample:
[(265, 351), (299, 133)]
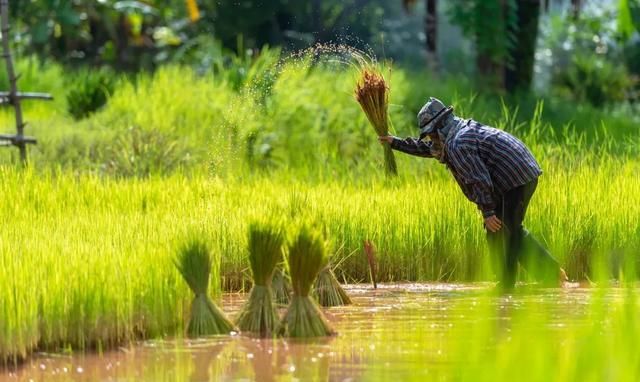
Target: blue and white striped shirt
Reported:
[(486, 162)]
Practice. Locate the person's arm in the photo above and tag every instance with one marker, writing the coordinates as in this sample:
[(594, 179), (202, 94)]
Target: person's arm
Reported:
[(472, 170), (412, 146)]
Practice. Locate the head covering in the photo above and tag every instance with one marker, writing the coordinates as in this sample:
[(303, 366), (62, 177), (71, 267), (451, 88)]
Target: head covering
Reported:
[(433, 115)]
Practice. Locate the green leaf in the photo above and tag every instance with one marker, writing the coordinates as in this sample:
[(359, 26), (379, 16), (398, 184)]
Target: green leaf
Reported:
[(67, 16), (625, 22), (634, 10), (40, 32)]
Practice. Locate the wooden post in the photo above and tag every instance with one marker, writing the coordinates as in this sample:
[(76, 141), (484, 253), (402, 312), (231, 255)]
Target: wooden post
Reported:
[(13, 89)]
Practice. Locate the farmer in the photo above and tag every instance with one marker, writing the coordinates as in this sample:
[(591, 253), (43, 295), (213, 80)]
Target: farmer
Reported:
[(498, 173)]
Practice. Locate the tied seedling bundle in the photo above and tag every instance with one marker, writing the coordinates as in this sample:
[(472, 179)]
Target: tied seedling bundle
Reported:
[(259, 315), (194, 263), (307, 256), (328, 290), (372, 93), (281, 286)]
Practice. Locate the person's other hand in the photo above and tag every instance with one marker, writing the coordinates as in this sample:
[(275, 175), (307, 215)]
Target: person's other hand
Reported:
[(385, 139), (492, 223)]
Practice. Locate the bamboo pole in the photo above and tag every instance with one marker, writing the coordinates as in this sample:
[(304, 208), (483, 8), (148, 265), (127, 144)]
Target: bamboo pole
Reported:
[(13, 89)]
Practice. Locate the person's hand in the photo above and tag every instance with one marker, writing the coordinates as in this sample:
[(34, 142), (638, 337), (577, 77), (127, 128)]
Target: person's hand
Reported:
[(385, 139), (492, 223)]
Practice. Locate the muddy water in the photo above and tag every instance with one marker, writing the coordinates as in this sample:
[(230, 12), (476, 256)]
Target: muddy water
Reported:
[(393, 333)]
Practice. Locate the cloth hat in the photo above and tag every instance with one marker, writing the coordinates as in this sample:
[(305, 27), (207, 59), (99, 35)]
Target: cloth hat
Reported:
[(430, 115)]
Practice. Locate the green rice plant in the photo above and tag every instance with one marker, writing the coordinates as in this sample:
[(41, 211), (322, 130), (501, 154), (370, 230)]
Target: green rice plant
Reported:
[(89, 92), (194, 263), (281, 286), (307, 256), (328, 291), (258, 314)]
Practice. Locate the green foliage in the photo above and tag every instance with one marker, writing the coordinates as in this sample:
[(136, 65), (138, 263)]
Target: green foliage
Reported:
[(194, 263), (489, 23), (592, 61), (595, 80), (89, 92), (138, 152)]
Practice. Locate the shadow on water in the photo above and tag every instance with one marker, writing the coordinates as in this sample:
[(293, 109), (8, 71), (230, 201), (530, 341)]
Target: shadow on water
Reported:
[(399, 331)]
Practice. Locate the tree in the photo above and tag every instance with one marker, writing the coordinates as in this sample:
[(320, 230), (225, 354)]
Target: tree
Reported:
[(430, 28)]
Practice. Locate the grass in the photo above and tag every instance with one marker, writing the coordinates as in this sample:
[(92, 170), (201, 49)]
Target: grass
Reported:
[(116, 238), (194, 261), (258, 315), (86, 251), (307, 256)]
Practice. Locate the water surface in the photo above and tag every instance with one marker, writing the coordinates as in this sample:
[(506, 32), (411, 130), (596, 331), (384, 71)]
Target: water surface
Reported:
[(397, 332)]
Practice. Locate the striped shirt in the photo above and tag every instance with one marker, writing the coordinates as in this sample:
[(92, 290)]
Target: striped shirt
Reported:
[(486, 162)]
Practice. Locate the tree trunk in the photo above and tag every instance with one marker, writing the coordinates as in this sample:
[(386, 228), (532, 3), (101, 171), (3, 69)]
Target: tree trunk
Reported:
[(575, 8), (431, 32), (519, 74)]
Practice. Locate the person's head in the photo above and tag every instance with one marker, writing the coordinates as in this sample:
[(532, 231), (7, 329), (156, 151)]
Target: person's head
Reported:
[(433, 115)]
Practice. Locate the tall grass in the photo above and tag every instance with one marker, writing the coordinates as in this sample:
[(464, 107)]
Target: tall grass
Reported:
[(300, 117), (86, 262)]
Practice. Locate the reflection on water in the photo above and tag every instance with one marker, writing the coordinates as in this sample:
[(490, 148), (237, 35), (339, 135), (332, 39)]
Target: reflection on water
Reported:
[(396, 332)]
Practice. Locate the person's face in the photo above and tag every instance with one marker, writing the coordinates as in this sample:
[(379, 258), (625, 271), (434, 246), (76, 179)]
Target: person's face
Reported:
[(436, 145)]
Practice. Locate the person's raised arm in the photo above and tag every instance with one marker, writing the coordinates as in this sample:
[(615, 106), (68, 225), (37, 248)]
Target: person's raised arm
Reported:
[(412, 146)]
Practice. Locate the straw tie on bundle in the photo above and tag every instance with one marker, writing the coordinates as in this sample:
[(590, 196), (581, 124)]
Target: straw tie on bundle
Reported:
[(258, 315), (372, 93)]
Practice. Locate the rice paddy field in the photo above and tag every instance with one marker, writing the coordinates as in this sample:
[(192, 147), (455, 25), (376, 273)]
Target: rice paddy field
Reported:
[(90, 230)]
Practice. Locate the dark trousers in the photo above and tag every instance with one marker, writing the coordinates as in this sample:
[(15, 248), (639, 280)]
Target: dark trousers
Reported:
[(513, 244)]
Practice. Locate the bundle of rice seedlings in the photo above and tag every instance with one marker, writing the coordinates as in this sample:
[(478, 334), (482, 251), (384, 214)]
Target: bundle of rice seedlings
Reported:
[(194, 263), (328, 290), (259, 315), (372, 93), (307, 256), (281, 286)]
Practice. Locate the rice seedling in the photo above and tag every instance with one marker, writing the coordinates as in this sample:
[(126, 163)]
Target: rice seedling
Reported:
[(328, 291), (258, 314), (281, 286), (194, 263), (307, 256), (372, 93)]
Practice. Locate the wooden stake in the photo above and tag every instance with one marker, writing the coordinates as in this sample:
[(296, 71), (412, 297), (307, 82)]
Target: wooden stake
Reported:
[(370, 251), (13, 88)]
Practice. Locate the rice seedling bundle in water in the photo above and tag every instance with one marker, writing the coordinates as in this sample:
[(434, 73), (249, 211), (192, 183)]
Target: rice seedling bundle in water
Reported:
[(307, 256), (281, 286), (372, 93), (328, 290), (194, 263), (258, 315)]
